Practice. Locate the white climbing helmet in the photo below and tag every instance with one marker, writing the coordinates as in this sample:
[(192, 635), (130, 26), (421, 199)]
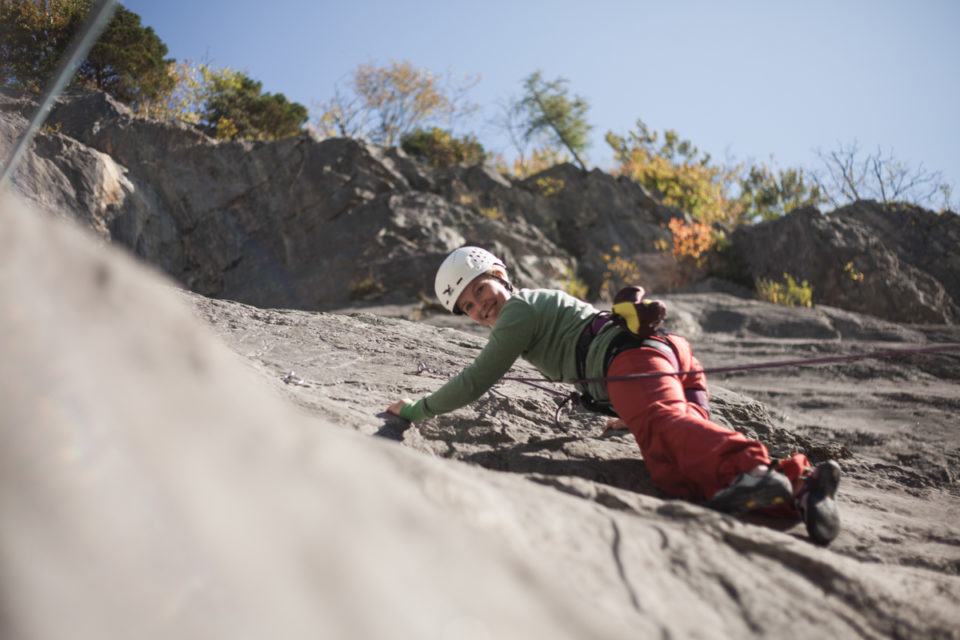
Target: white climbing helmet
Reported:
[(459, 269)]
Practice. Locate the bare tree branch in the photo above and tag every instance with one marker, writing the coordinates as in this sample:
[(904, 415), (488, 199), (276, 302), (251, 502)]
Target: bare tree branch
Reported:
[(878, 176)]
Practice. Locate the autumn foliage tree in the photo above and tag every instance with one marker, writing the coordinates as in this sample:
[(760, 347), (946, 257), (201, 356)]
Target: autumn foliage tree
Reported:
[(692, 240), (681, 176), (677, 173), (384, 103)]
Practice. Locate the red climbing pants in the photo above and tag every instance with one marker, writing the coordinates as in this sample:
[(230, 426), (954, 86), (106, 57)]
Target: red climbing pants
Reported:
[(687, 455)]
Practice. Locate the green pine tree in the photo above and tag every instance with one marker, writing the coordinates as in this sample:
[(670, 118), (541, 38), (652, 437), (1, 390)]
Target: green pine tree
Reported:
[(128, 61), (235, 107), (548, 113)]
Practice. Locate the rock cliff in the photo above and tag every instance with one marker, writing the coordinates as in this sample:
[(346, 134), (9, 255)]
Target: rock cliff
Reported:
[(316, 225), (897, 261)]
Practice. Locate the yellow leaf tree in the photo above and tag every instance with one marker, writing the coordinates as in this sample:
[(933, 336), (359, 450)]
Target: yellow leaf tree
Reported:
[(383, 103), (677, 173)]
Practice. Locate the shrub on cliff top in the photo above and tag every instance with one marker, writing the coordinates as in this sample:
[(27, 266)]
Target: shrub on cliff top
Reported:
[(439, 148), (236, 107)]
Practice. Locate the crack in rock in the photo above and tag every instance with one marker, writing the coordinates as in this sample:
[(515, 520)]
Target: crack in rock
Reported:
[(621, 571)]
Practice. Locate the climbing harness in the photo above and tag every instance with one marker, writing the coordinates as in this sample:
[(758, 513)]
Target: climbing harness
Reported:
[(875, 355)]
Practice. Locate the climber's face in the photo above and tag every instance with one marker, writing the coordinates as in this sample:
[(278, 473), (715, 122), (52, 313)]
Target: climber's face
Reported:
[(483, 299)]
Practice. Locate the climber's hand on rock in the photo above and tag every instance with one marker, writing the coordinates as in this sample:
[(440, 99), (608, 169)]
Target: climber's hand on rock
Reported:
[(395, 407), (614, 424)]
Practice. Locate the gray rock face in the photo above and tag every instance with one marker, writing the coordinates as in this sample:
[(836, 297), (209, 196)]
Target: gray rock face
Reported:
[(154, 483), (152, 487), (674, 565), (895, 262)]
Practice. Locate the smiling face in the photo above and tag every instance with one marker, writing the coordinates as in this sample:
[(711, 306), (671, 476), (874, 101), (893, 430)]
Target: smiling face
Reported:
[(483, 299)]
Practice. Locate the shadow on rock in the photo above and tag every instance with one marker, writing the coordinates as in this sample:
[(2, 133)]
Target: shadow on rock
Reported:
[(393, 429), (629, 474)]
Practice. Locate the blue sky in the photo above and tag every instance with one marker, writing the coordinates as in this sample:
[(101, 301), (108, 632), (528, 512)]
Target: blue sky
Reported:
[(743, 79)]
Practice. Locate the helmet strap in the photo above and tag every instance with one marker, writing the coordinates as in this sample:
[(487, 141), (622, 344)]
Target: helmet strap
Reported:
[(505, 282)]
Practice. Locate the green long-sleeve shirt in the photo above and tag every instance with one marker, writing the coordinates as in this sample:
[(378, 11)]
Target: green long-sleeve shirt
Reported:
[(540, 325)]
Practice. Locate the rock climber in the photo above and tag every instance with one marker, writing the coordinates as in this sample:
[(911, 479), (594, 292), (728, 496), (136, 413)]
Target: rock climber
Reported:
[(567, 340)]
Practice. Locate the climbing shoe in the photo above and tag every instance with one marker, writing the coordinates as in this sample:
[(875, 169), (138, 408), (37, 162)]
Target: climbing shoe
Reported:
[(750, 491), (816, 505)]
